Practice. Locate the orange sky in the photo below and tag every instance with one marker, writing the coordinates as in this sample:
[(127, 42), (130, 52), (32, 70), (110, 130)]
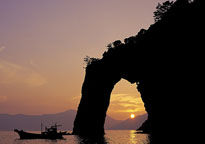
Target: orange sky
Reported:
[(43, 43)]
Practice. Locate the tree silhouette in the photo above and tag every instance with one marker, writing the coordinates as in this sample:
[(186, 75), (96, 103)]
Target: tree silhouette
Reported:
[(89, 60), (109, 46), (162, 10), (117, 43)]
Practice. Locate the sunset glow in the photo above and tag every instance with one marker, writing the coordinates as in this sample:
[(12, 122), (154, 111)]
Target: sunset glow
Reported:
[(43, 44)]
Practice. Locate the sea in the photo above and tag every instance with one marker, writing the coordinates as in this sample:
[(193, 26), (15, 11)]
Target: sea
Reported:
[(111, 137)]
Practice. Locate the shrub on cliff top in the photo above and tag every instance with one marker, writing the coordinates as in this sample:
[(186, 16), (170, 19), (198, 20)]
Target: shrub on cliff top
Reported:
[(89, 60), (162, 10)]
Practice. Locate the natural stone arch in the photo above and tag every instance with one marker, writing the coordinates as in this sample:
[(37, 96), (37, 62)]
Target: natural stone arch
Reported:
[(99, 82), (167, 61)]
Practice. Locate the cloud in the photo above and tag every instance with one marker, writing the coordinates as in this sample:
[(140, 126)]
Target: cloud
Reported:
[(33, 64), (11, 73), (126, 103), (130, 97), (3, 99), (35, 79), (2, 48), (76, 97)]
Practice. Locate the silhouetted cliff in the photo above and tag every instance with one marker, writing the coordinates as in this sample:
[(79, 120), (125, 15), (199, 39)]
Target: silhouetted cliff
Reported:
[(165, 61)]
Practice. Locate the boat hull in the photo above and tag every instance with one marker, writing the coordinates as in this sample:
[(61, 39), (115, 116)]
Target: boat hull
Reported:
[(27, 135)]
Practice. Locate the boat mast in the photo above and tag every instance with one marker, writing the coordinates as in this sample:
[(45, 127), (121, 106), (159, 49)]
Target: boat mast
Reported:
[(41, 126)]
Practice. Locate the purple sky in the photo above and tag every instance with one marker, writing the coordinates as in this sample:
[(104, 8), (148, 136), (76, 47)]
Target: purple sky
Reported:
[(43, 43)]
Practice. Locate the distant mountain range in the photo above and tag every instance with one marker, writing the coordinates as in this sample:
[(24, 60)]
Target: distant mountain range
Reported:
[(129, 124), (32, 122)]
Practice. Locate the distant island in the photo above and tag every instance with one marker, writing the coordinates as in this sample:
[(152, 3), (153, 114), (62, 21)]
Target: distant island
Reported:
[(33, 122)]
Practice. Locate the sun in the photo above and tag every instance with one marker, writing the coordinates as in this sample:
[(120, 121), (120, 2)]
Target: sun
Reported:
[(132, 116)]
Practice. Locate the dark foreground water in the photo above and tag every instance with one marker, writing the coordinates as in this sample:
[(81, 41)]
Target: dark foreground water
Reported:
[(111, 137)]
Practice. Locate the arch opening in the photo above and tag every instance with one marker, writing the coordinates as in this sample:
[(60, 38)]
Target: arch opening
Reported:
[(125, 100), (127, 106)]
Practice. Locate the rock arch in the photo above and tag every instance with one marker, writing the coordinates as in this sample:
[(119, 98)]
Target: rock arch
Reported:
[(167, 60), (99, 82)]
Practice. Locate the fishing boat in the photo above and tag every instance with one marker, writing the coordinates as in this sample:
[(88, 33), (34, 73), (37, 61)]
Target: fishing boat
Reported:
[(49, 133)]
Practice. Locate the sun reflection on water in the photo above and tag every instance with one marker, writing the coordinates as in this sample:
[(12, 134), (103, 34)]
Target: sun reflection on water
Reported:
[(133, 139), (136, 138)]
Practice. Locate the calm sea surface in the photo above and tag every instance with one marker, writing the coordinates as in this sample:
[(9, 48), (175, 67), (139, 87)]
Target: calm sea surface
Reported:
[(111, 137)]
